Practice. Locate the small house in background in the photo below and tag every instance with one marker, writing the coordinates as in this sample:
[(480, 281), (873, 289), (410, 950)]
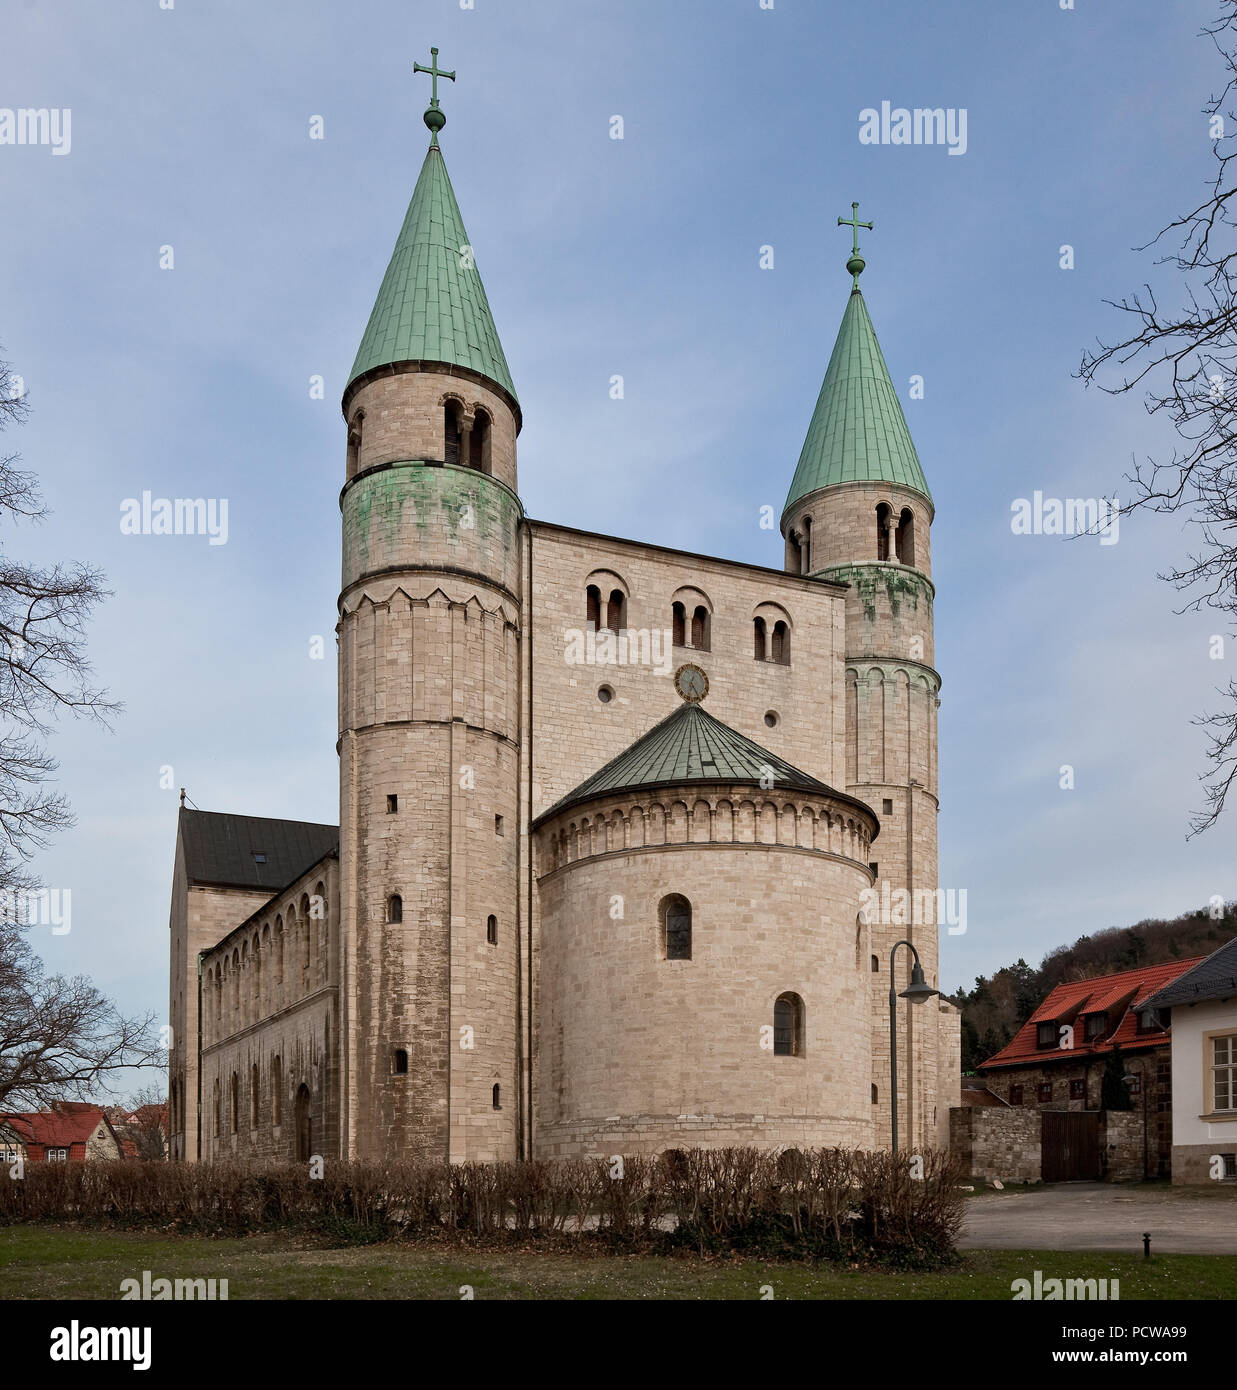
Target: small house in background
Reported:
[(1057, 1060), (1202, 1004), (70, 1132), (142, 1132)]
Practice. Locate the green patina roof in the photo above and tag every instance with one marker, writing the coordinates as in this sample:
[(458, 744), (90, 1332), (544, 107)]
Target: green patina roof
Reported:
[(431, 308), (689, 746), (858, 432)]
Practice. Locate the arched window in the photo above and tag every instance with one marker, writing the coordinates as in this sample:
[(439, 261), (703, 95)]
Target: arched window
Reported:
[(399, 1062), (806, 547), (875, 1094), (218, 1109), (676, 919), (616, 610), (491, 930), (876, 965), (678, 624), (761, 652), (395, 908), (497, 1096), (277, 1092), (906, 537), (451, 432), (253, 1096), (700, 629), (593, 618), (304, 1124), (883, 519), (676, 1164), (232, 1101), (479, 443), (788, 1026), (354, 443), (790, 1165), (781, 644)]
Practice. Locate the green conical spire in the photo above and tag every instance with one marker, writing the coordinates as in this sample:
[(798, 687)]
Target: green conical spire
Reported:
[(432, 305), (858, 432)]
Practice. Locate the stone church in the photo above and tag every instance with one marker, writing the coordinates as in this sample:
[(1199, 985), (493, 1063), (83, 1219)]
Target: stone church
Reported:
[(609, 813)]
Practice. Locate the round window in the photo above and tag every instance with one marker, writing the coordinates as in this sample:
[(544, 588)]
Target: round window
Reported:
[(605, 694)]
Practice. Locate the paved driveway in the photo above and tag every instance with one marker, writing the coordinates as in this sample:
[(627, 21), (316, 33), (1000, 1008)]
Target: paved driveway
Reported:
[(1103, 1216)]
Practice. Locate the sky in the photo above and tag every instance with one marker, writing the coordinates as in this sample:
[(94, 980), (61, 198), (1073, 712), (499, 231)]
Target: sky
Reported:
[(191, 128)]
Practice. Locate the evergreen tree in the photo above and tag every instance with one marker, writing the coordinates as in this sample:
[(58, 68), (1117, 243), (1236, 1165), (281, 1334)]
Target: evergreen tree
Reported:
[(1114, 1093)]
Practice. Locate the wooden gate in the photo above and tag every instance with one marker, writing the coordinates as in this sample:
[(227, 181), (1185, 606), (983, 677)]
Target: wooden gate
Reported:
[(1070, 1147)]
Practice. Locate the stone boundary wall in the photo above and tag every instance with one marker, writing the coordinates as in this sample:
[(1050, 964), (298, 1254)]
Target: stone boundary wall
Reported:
[(996, 1143), (1121, 1146)]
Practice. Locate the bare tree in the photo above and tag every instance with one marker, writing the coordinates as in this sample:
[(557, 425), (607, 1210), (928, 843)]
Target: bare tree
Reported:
[(43, 667), (148, 1128), (60, 1038), (1183, 359)]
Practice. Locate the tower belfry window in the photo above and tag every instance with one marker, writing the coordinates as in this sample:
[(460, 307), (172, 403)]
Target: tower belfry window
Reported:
[(700, 629), (354, 443), (451, 437), (616, 610), (593, 606), (905, 537), (884, 521), (761, 652), (678, 625), (479, 443)]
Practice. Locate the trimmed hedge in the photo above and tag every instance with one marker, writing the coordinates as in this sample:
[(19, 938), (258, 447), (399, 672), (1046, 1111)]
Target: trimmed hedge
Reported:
[(836, 1204)]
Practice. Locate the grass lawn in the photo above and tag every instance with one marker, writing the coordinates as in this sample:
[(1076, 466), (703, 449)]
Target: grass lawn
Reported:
[(61, 1262)]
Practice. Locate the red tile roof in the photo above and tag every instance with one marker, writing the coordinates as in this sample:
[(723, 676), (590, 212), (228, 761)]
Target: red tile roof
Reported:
[(67, 1125), (1127, 990)]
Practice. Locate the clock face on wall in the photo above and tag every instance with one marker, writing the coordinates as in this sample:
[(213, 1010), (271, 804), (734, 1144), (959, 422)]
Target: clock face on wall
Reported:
[(691, 683)]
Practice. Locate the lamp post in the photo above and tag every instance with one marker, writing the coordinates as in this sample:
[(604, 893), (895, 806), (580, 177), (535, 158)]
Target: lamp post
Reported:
[(1129, 1079), (917, 991)]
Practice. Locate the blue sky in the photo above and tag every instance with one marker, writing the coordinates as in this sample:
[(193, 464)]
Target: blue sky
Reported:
[(190, 128)]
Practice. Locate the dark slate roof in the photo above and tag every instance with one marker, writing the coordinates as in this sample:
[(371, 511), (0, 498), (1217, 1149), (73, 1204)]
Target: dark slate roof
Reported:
[(221, 849), (690, 746), (1212, 978)]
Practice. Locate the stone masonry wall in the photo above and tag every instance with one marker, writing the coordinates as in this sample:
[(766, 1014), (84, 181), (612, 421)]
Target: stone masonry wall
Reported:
[(993, 1143)]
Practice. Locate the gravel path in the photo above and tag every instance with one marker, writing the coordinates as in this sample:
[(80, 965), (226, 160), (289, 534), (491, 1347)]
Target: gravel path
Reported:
[(1103, 1216)]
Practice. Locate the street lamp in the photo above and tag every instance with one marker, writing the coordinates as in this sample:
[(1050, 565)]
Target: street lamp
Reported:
[(1129, 1078), (917, 991)]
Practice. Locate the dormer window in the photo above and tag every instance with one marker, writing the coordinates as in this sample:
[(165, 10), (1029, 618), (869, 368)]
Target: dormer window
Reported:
[(1097, 1025), (1046, 1034), (1149, 1021)]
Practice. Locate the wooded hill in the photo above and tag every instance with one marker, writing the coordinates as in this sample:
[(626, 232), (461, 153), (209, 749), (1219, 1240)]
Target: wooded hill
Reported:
[(996, 1008)]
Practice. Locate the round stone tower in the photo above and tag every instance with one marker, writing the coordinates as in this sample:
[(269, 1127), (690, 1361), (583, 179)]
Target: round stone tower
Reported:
[(859, 512), (429, 726), (703, 978)]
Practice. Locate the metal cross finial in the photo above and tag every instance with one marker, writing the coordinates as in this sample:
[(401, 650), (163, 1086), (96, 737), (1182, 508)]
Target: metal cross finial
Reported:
[(435, 73), (856, 263), (854, 224)]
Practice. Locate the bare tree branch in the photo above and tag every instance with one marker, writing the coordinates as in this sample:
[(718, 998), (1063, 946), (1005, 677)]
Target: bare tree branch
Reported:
[(1183, 361)]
